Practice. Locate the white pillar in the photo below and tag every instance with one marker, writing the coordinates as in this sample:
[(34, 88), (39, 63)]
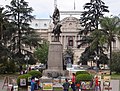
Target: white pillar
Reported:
[(65, 42), (75, 46)]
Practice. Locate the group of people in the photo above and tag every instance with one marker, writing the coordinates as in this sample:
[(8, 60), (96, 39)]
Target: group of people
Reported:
[(66, 84)]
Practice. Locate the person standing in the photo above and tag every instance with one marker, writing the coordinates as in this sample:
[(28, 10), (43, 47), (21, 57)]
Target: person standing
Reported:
[(73, 82), (66, 85), (97, 87), (32, 83)]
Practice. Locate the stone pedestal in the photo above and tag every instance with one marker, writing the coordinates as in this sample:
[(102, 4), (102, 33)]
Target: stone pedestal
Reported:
[(55, 56), (55, 60)]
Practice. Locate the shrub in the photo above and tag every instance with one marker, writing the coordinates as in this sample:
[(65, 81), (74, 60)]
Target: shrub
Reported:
[(35, 73), (81, 72), (83, 77), (24, 76)]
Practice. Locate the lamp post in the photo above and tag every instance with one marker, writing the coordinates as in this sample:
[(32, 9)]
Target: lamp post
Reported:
[(96, 58), (27, 59)]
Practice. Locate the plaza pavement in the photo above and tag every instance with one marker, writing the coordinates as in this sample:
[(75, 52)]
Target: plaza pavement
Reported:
[(115, 84)]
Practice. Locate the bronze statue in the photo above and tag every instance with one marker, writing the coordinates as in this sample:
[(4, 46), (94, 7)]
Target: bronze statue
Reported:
[(57, 25)]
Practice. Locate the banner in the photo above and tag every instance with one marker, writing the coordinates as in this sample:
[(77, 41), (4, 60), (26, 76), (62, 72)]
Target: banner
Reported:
[(47, 86), (22, 82)]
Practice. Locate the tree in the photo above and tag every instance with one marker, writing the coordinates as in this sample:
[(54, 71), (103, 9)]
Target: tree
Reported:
[(41, 53), (110, 27), (86, 56), (90, 22), (23, 38), (96, 42), (7, 65), (4, 51)]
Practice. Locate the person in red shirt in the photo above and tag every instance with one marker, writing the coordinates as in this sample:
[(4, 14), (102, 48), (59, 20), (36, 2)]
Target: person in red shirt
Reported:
[(73, 82), (97, 85)]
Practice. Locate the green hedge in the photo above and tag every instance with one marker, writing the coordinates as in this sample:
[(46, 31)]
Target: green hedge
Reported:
[(24, 76), (81, 72), (35, 73), (83, 77)]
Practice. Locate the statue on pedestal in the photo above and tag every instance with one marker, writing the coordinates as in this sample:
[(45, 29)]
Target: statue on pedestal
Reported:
[(57, 25)]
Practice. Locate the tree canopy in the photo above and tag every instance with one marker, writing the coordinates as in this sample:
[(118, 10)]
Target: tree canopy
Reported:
[(23, 38), (90, 34), (41, 53), (17, 38)]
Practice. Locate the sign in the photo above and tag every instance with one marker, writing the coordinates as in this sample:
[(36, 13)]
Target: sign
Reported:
[(22, 82), (6, 81), (106, 83), (47, 86), (85, 85), (29, 79), (106, 80)]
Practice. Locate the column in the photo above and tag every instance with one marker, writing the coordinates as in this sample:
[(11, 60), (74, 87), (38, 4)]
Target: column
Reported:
[(75, 46)]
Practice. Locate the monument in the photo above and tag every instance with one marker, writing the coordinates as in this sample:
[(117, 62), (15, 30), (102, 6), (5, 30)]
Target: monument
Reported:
[(55, 54), (57, 25)]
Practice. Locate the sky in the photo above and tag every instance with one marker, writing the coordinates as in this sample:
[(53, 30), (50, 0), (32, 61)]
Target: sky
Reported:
[(45, 8)]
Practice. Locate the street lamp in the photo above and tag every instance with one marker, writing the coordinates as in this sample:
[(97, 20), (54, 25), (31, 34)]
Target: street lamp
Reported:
[(27, 59), (96, 58)]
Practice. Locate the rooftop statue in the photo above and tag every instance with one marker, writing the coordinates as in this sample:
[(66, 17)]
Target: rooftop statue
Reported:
[(57, 25)]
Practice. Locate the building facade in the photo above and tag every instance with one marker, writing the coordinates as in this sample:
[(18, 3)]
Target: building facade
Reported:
[(69, 36)]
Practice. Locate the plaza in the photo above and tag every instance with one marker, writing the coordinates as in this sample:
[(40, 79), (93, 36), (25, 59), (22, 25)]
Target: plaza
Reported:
[(80, 48)]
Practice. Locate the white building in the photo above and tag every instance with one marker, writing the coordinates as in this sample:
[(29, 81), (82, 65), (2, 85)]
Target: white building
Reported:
[(70, 28)]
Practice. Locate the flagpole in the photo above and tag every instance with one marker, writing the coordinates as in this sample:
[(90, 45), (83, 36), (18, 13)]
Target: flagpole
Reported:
[(74, 4)]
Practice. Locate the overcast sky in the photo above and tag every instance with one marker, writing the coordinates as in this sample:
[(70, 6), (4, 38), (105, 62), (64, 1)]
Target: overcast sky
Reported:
[(45, 8)]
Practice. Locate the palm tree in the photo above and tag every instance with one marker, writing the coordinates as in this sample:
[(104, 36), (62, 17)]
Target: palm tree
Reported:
[(110, 27)]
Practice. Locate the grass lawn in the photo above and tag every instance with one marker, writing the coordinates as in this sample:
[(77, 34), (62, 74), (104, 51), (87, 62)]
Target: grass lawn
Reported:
[(115, 76)]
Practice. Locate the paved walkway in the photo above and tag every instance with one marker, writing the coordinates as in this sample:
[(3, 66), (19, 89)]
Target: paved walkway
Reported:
[(115, 84), (1, 84)]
